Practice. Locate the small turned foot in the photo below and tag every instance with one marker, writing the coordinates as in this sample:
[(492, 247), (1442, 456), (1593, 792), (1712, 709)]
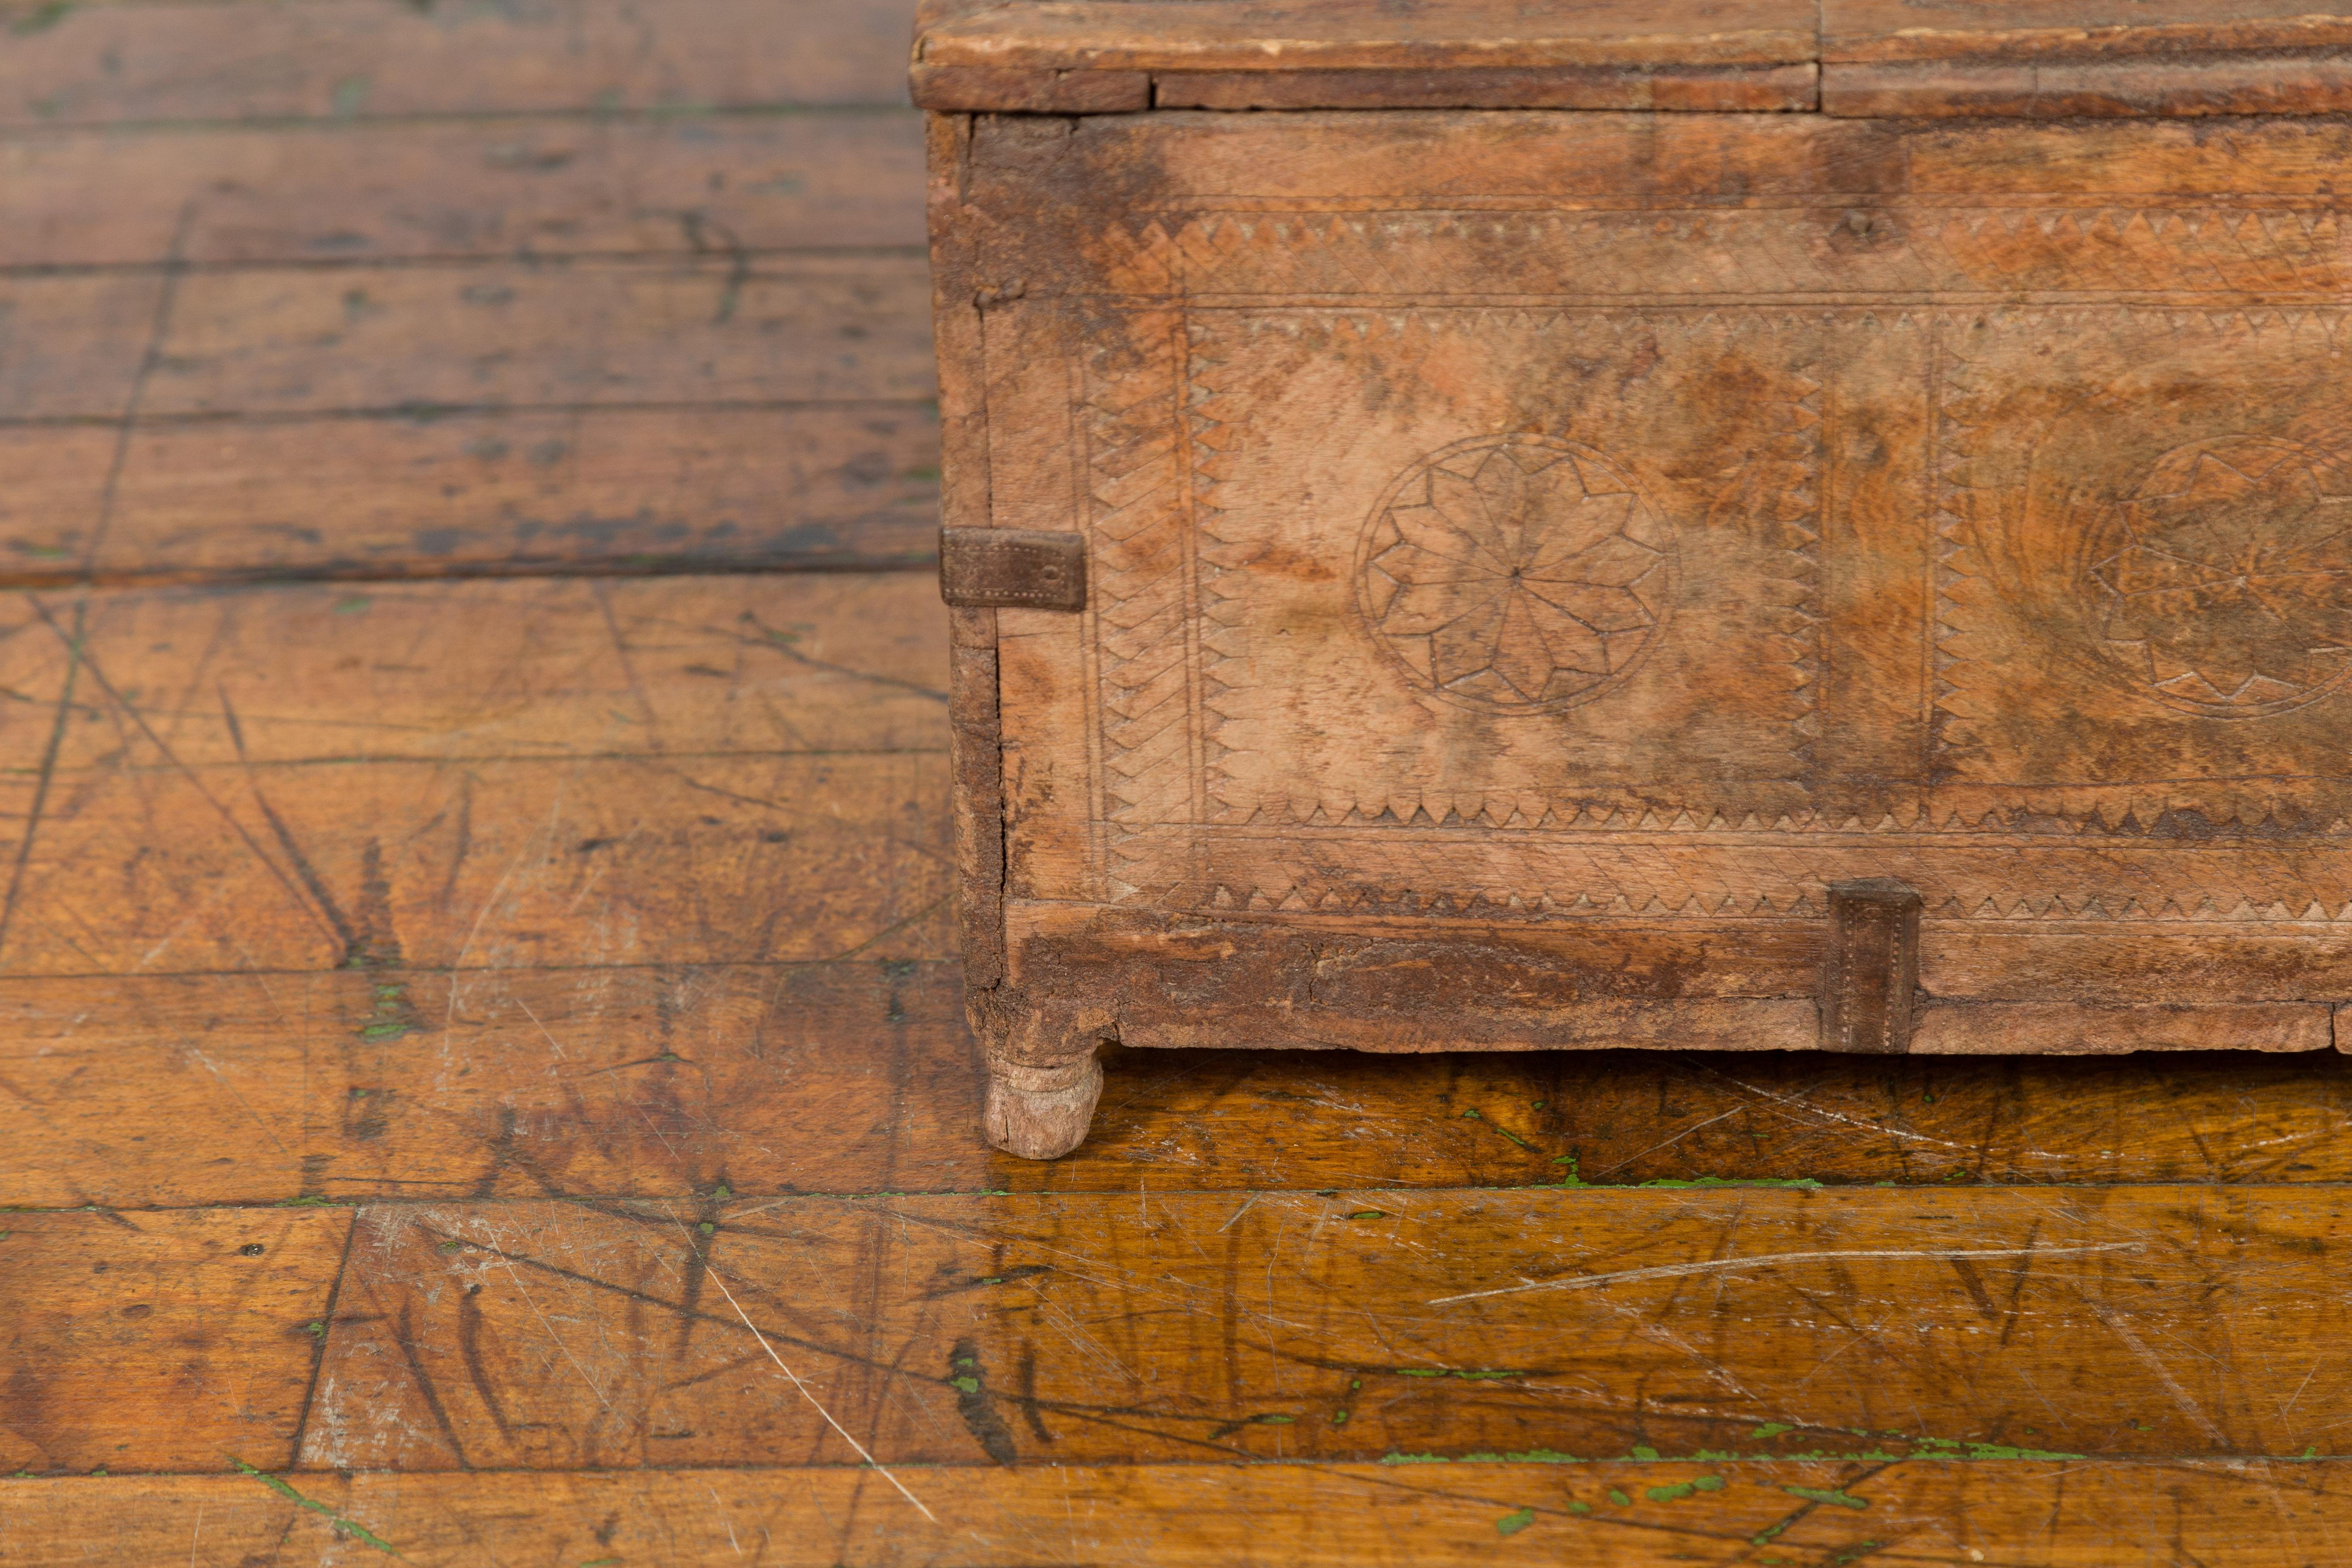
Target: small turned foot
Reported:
[(1042, 1113)]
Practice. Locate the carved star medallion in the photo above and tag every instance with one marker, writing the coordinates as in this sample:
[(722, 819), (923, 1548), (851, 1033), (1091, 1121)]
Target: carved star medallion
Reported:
[(1513, 573), (2231, 583)]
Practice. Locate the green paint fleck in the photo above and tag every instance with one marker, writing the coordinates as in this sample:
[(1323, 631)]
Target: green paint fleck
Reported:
[(1619, 1498), (1708, 1484), (1483, 1374), (1353, 1383), (2310, 1453), (706, 1229), (1771, 1429), (1856, 1550), (2002, 1451), (1798, 1183), (1579, 1508), (40, 18), (992, 1279), (1274, 1420), (1678, 1490), (721, 1193), (1413, 1459), (1644, 1451), (315, 1329), (308, 1200), (966, 1384), (1820, 1494), (335, 1521), (1537, 1104), (1472, 1116), (1574, 1180), (1368, 1214), (1515, 1522), (1338, 1418)]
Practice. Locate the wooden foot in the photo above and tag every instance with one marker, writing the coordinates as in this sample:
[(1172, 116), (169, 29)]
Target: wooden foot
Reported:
[(1042, 1113)]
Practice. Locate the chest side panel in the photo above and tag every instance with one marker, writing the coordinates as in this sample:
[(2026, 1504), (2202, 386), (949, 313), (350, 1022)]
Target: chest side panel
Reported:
[(1611, 532)]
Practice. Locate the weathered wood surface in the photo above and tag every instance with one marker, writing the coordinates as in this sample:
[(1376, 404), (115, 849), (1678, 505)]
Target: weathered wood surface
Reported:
[(666, 1079), (1339, 1326), (423, 491), (372, 190), (589, 333), (480, 779), (742, 381), (1856, 30), (1869, 553), (1230, 35), (2053, 1515), (575, 1020), (757, 412), (160, 1341), (119, 61)]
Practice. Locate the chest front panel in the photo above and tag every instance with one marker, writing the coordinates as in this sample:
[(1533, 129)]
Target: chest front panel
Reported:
[(1599, 529)]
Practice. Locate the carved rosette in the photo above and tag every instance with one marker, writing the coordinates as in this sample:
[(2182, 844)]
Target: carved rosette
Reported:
[(1514, 573), (2225, 579)]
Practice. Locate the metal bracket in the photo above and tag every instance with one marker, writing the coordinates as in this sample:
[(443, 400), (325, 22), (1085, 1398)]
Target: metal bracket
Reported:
[(1009, 568), (1870, 975)]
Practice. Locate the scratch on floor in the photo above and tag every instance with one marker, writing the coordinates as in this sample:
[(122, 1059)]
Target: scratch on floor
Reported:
[(794, 1378), (346, 1526), (1772, 1259), (2155, 1363), (1809, 1109)]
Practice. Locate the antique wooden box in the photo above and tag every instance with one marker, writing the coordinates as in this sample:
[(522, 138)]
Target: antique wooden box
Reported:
[(1704, 524)]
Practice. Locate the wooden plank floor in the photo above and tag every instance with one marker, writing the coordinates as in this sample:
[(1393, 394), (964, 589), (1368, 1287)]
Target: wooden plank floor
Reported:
[(482, 1075)]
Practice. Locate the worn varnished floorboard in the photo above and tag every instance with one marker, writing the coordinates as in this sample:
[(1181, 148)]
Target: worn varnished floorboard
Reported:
[(481, 1066)]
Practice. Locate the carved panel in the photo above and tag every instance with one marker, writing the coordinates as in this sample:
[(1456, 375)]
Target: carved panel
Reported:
[(1676, 565)]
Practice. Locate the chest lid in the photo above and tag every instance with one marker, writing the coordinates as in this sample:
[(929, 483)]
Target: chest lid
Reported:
[(2026, 58)]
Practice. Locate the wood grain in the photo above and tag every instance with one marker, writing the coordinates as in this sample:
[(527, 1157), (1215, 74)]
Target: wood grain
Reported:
[(859, 1077), (1317, 768), (148, 60), (2029, 29), (2115, 1322), (365, 189), (2242, 84), (160, 1341), (72, 347), (372, 816), (663, 1079), (1215, 1516), (1674, 89), (268, 340), (575, 1018), (1224, 35), (427, 493)]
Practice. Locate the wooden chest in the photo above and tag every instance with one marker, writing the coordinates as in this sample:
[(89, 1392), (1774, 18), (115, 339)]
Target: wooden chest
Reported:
[(1699, 523)]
